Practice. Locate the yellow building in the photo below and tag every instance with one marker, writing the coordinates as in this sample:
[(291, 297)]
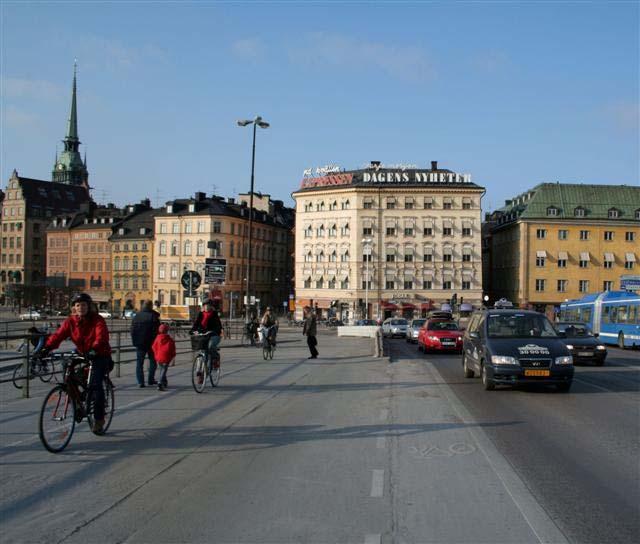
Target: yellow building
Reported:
[(132, 258), (562, 241)]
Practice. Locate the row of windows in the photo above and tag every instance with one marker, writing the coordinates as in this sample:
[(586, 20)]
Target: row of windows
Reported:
[(584, 263), (18, 226), (563, 234), (233, 273), (579, 211), (89, 247), (219, 228), (143, 246), (332, 283), (58, 242), (131, 283), (562, 286), (13, 242), (448, 229), (392, 203), (133, 264), (90, 266), (11, 259), (389, 257)]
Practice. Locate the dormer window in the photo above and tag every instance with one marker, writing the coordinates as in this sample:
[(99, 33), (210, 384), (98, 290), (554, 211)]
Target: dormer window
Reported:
[(169, 208), (143, 230), (552, 211), (120, 231), (192, 207), (131, 209), (579, 212), (110, 219), (103, 220), (614, 213), (64, 222), (55, 222), (95, 220), (86, 221)]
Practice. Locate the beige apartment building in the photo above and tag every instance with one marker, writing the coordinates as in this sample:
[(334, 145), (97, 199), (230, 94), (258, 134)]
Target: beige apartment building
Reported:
[(385, 241), (562, 241), (189, 231)]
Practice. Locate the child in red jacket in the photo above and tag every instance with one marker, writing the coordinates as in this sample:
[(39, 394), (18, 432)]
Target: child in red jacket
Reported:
[(164, 350)]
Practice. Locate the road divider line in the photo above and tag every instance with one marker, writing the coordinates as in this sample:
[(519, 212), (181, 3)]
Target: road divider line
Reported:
[(377, 483), (381, 442), (539, 521)]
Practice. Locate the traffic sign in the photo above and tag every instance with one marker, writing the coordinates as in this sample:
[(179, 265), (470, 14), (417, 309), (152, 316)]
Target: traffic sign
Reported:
[(191, 280), (215, 270)]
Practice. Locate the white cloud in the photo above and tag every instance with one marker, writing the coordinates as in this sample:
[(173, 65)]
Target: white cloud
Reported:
[(38, 89), (248, 49), (20, 120), (404, 62), (625, 115)]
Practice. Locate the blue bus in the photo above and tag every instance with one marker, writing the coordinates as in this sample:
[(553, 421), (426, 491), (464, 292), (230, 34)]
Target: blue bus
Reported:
[(614, 315)]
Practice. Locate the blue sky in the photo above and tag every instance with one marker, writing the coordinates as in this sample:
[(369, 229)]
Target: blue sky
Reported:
[(514, 93)]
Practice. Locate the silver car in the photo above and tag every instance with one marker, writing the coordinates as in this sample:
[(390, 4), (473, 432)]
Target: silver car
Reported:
[(414, 330), (395, 326)]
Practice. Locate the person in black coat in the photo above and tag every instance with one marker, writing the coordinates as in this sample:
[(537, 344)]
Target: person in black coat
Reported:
[(144, 329), (208, 321)]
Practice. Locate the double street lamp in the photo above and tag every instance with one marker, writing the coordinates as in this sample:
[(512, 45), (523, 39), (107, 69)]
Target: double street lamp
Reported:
[(257, 122)]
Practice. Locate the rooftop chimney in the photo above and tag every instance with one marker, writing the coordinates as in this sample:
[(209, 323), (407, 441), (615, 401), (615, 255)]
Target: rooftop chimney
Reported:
[(375, 164), (434, 165), (199, 197), (231, 200)]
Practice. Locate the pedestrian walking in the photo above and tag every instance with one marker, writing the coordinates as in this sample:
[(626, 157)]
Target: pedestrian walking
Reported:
[(144, 328), (310, 330), (164, 351)]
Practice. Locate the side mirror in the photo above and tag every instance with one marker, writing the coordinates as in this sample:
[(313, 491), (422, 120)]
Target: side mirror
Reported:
[(596, 334), (474, 335)]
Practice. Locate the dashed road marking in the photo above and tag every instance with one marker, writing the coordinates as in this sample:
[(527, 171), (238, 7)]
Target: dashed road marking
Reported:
[(381, 442), (377, 483)]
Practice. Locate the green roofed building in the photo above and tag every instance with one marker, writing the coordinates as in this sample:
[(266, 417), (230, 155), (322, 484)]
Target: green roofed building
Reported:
[(560, 241)]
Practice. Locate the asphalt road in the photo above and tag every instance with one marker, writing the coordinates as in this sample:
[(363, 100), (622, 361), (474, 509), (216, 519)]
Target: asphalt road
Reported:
[(579, 453), (345, 448)]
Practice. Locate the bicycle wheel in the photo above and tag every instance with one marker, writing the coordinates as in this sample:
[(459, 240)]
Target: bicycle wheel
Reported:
[(45, 373), (109, 406), (215, 375), (199, 373), (57, 419), (18, 376)]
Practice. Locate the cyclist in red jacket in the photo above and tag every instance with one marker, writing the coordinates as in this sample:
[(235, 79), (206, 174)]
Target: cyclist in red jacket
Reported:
[(89, 332)]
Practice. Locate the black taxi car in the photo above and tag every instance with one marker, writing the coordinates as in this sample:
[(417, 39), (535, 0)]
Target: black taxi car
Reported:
[(515, 347)]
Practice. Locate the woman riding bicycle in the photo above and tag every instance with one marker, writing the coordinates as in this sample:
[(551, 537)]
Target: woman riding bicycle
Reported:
[(208, 322), (88, 331), (270, 326)]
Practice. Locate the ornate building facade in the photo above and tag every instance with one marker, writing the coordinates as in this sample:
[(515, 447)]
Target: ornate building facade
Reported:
[(386, 241)]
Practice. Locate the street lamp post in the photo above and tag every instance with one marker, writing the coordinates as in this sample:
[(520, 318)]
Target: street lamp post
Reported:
[(257, 122), (367, 253)]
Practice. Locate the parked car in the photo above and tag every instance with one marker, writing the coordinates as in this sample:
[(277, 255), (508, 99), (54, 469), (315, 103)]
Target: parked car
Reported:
[(129, 314), (395, 326), (334, 322), (366, 323), (105, 314), (440, 335), (414, 330), (583, 345), (30, 315), (514, 347)]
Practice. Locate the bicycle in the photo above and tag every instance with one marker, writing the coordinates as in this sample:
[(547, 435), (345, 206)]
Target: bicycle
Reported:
[(268, 344), (71, 401), (39, 368), (200, 369)]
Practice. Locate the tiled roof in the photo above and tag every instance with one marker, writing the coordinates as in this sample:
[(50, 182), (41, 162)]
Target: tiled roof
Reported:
[(132, 225), (595, 200), (49, 195)]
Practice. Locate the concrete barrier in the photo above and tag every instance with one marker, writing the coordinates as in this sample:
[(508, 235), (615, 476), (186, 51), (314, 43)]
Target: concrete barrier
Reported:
[(362, 332)]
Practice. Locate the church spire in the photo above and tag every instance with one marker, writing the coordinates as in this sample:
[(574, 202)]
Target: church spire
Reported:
[(69, 167)]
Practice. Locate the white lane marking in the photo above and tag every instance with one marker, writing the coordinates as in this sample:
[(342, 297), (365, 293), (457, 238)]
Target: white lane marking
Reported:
[(377, 483), (542, 526), (372, 539), (384, 414), (381, 442)]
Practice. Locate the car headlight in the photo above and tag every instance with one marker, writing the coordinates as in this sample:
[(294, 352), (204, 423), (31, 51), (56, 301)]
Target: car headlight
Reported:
[(566, 360), (433, 338), (504, 360), (600, 346), (569, 346)]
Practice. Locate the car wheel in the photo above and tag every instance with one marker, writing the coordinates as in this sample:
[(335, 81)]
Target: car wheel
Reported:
[(468, 373), (563, 387), (621, 340), (487, 382)]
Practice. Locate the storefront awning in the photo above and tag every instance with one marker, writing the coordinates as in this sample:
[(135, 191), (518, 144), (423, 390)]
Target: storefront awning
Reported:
[(388, 305), (426, 306), (563, 255), (608, 257), (584, 256), (407, 306), (541, 253)]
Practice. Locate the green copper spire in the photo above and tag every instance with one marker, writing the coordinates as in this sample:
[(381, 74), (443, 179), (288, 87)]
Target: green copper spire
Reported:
[(72, 127), (69, 167)]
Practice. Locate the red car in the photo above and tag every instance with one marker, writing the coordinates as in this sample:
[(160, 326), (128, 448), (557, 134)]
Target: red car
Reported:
[(440, 335)]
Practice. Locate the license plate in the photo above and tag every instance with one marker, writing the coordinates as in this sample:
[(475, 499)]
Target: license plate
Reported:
[(447, 341), (584, 354), (537, 373)]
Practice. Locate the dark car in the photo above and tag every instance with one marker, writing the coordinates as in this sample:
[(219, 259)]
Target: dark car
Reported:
[(514, 347), (367, 323), (583, 345)]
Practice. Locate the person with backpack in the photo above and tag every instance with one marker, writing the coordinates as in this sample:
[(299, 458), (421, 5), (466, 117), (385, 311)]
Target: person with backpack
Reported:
[(164, 351)]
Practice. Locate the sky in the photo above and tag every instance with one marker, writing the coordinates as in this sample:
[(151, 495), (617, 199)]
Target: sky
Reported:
[(513, 93)]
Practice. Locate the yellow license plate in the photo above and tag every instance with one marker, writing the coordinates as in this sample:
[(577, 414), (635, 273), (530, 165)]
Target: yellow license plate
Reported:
[(537, 373)]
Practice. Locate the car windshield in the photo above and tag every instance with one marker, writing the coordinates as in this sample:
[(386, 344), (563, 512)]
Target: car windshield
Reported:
[(418, 322), (442, 326), (519, 326), (398, 321), (574, 329)]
